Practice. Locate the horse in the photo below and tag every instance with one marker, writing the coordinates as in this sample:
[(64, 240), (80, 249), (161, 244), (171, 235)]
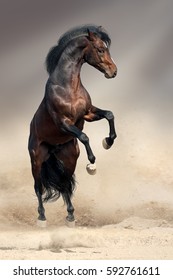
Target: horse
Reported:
[(58, 123)]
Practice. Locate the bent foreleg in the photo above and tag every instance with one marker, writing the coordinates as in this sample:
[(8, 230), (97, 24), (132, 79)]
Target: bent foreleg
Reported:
[(83, 138), (96, 114)]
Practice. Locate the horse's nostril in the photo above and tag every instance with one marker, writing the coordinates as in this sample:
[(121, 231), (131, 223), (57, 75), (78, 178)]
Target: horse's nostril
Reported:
[(115, 73)]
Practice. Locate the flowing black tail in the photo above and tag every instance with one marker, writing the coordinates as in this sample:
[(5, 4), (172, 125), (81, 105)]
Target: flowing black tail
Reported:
[(55, 179)]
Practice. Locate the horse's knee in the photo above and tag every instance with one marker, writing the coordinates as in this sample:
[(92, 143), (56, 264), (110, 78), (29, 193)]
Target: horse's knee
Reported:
[(84, 138), (109, 116)]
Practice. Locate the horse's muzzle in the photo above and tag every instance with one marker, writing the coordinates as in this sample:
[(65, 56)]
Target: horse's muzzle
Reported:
[(115, 73), (110, 75)]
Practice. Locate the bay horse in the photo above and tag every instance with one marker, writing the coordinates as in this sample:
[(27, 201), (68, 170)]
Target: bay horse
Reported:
[(58, 122)]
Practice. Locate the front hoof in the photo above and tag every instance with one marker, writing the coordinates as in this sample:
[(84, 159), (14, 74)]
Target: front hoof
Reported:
[(70, 224), (91, 168), (41, 223), (105, 144)]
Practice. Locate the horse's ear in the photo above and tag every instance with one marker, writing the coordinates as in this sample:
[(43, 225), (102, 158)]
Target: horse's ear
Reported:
[(91, 35)]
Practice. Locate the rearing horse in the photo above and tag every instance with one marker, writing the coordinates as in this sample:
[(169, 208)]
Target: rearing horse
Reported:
[(59, 120)]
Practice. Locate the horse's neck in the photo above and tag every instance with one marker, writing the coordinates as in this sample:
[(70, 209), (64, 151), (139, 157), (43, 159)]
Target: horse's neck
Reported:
[(67, 71)]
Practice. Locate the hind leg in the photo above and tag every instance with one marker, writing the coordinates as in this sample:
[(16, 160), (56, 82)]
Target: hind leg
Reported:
[(38, 154), (70, 208), (69, 154), (38, 191)]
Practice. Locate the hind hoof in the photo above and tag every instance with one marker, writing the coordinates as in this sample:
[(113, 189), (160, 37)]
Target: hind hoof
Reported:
[(42, 224), (91, 168), (105, 145), (70, 224)]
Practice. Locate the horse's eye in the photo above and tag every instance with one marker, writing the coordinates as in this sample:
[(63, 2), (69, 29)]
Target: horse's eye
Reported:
[(101, 51)]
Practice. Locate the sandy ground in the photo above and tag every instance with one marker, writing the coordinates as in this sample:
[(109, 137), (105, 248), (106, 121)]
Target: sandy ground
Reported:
[(134, 238), (143, 231)]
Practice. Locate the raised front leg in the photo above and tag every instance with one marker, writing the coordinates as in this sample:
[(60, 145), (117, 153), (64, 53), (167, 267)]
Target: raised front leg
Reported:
[(96, 114), (73, 130)]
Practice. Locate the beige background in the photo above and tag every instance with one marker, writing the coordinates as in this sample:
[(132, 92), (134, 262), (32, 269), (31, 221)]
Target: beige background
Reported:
[(126, 209)]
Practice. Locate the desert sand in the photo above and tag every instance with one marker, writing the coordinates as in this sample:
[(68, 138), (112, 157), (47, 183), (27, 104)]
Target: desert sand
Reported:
[(126, 219)]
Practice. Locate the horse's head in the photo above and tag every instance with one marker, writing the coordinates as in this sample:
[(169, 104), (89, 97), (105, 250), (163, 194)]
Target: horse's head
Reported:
[(97, 54)]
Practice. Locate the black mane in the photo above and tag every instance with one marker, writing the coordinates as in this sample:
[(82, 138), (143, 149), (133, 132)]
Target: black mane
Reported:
[(56, 51)]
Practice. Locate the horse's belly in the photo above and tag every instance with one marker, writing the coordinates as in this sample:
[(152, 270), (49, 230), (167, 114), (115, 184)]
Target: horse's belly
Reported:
[(54, 135)]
